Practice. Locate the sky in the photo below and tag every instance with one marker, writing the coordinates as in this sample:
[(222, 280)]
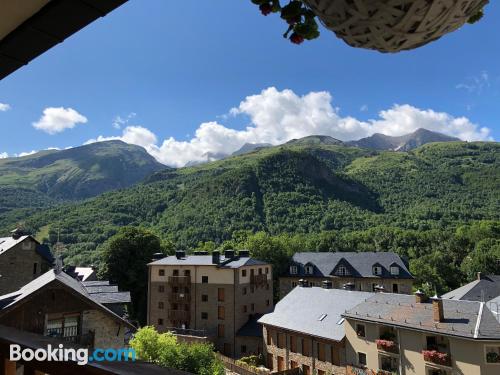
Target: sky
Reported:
[(190, 79)]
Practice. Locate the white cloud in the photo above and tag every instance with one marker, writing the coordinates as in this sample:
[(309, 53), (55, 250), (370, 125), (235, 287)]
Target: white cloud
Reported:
[(278, 116), (55, 120), (119, 121), (4, 155), (25, 154), (4, 107), (363, 108), (476, 84)]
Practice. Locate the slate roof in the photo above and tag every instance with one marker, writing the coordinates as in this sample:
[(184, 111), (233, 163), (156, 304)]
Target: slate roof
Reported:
[(359, 263), (103, 292), (9, 300), (206, 260), (484, 289), (468, 319), (301, 310), (7, 243), (252, 328), (84, 272)]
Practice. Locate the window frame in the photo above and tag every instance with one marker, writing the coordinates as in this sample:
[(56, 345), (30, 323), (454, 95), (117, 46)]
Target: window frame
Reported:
[(358, 359)]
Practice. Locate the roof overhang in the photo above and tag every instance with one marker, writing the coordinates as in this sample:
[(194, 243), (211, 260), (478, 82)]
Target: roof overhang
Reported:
[(28, 28)]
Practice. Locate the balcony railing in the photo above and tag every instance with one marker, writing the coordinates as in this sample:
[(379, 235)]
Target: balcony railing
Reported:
[(182, 315), (258, 279), (71, 335), (389, 346), (179, 280), (190, 332), (439, 358), (180, 297)]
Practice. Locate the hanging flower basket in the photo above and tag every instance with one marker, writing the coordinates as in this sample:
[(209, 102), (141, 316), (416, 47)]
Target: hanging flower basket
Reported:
[(393, 25)]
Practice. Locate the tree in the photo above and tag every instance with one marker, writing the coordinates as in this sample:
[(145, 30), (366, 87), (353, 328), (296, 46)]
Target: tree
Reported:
[(485, 259), (125, 258)]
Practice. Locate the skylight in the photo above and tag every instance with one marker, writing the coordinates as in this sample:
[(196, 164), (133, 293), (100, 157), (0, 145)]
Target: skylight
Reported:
[(323, 316), (341, 320)]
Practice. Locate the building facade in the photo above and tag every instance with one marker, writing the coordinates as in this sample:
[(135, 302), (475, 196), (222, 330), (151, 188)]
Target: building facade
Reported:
[(216, 295), (390, 334), (22, 259), (363, 271)]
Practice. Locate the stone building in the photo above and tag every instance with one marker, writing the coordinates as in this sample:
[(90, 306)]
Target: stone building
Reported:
[(57, 305), (404, 334), (306, 330), (363, 271), (215, 296), (22, 259)]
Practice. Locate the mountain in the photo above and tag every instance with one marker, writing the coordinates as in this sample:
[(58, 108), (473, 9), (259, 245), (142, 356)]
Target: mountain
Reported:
[(406, 142), (250, 147), (291, 188), (315, 140), (77, 173)]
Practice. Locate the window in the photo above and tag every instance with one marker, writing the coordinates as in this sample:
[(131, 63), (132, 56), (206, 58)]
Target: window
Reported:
[(306, 370), (161, 289), (176, 289), (293, 364), (374, 287), (66, 326), (160, 322), (270, 361), (306, 347), (161, 305), (244, 273), (175, 306), (281, 340), (281, 364), (293, 344), (335, 359), (187, 272), (377, 270), (320, 348), (252, 289), (204, 315), (260, 271), (267, 286), (360, 330), (243, 349), (309, 270), (395, 288), (220, 294), (175, 272), (293, 270), (267, 302), (267, 270), (35, 265), (269, 337), (493, 354), (220, 330), (389, 364), (204, 279), (244, 290), (252, 307), (342, 271), (161, 272), (245, 308), (362, 359), (394, 270), (294, 284), (221, 312), (204, 298)]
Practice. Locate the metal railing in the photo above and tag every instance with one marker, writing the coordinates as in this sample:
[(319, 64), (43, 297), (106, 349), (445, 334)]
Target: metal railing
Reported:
[(71, 335), (179, 315), (179, 280), (180, 297), (258, 279), (190, 332)]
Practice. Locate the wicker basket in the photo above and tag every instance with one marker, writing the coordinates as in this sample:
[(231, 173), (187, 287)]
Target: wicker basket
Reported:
[(393, 25)]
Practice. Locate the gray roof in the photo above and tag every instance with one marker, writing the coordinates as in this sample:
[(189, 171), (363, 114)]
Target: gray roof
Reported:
[(252, 328), (110, 298), (467, 319), (301, 310), (360, 264), (484, 289), (7, 243), (9, 300), (206, 260)]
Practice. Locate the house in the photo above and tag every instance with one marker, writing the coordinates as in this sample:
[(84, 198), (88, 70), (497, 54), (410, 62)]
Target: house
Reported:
[(108, 295), (22, 259), (211, 295), (57, 305), (410, 334), (363, 271), (306, 329), (484, 288)]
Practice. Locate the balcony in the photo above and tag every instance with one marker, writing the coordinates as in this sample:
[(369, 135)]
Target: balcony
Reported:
[(71, 335), (258, 279), (181, 315), (388, 346), (437, 357), (180, 297), (179, 280)]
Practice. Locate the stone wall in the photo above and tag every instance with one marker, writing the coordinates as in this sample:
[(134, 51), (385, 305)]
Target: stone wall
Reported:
[(108, 333)]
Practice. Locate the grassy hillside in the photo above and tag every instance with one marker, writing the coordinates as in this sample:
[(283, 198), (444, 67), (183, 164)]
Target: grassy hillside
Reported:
[(82, 172), (296, 189)]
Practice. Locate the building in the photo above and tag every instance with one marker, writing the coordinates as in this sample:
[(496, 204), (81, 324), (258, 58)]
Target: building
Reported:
[(22, 259), (306, 329), (405, 334), (484, 288), (57, 305), (212, 294), (85, 273), (108, 295), (363, 271)]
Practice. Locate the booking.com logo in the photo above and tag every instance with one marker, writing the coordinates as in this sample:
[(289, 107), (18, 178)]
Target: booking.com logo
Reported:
[(61, 354)]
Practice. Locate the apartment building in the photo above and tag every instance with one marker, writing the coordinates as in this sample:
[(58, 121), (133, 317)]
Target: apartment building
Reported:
[(363, 271), (404, 334), (306, 329), (218, 295), (22, 259)]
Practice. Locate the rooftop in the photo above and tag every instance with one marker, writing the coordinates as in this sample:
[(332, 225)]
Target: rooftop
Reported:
[(315, 311), (359, 264), (485, 288), (7, 243), (207, 260), (468, 319)]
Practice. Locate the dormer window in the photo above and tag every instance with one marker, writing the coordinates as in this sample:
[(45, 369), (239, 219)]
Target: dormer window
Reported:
[(377, 270), (394, 270), (293, 270), (309, 270), (342, 271)]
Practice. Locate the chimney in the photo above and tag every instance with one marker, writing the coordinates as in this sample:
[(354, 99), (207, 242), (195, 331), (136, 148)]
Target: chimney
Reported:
[(303, 283), (479, 275), (437, 309), (244, 253), (229, 254), (216, 257), (157, 256), (348, 286), (327, 284), (16, 233), (420, 296), (179, 254)]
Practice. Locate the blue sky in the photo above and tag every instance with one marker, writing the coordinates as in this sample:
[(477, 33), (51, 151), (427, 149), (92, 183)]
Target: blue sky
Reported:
[(193, 78)]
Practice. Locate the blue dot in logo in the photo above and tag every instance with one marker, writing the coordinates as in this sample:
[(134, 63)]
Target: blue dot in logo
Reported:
[(91, 358)]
